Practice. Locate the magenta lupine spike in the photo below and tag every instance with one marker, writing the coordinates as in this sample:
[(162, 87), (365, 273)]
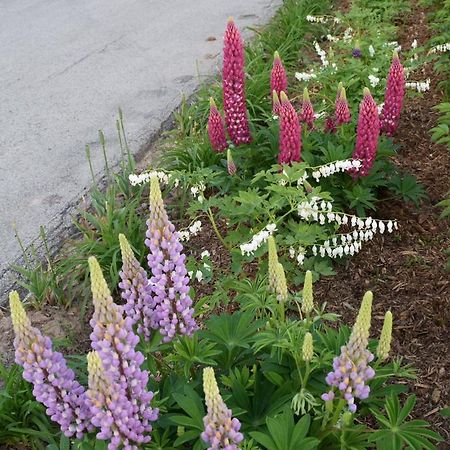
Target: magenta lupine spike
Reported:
[(290, 132), (169, 281), (367, 133), (342, 112), (127, 419), (221, 429), (330, 125), (393, 98), (276, 105), (307, 111), (351, 369), (233, 79), (216, 128), (231, 166), (278, 78), (136, 291), (54, 383)]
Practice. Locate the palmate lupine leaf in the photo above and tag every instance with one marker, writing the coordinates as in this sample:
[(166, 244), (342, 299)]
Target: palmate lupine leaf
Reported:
[(398, 432)]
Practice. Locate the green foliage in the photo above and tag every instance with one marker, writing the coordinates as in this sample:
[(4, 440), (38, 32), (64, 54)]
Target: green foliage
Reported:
[(441, 133)]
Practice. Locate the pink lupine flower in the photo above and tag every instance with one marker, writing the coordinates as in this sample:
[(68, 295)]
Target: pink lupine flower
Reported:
[(307, 112), (278, 78), (367, 133), (330, 125), (233, 86), (290, 132), (231, 166), (342, 111), (216, 128), (276, 105), (393, 98)]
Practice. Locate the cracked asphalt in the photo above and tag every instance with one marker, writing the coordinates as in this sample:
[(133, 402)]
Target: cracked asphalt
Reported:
[(66, 69)]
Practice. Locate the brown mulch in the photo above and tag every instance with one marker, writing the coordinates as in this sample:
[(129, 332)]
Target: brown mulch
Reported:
[(407, 271)]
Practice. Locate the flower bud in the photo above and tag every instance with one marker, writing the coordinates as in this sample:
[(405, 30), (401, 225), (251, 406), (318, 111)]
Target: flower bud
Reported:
[(307, 349), (308, 299), (384, 344)]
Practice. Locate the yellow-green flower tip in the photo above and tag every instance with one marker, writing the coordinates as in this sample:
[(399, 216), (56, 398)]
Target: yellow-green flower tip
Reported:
[(101, 295), (212, 103), (125, 248), (210, 384), (230, 19), (308, 298), (395, 54), (362, 324), (283, 97), (155, 190), (276, 55), (275, 98), (281, 285), (94, 363), (305, 95), (307, 348), (273, 261), (384, 344), (18, 315), (366, 91)]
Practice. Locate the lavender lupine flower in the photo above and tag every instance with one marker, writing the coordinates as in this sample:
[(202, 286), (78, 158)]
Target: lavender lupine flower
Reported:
[(290, 133), (136, 291), (356, 53), (278, 78), (368, 131), (169, 281), (393, 98), (54, 383), (221, 430), (216, 128), (342, 112), (231, 166), (233, 79), (307, 111), (276, 105), (351, 368), (126, 419)]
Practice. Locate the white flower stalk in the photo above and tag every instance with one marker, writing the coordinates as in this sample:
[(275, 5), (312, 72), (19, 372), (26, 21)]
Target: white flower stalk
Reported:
[(414, 44), (419, 86), (316, 19), (144, 177), (299, 255), (258, 239), (373, 80), (322, 54), (193, 230), (371, 51), (348, 34), (197, 191), (337, 166), (332, 38), (305, 76), (441, 48)]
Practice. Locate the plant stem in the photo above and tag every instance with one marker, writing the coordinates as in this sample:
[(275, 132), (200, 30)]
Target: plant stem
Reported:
[(216, 230)]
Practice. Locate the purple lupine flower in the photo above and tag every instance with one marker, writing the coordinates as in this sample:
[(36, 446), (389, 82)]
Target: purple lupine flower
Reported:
[(221, 429), (393, 98), (169, 281), (216, 128), (342, 112), (54, 383), (351, 369), (290, 133), (368, 131), (307, 111), (278, 78), (126, 419), (356, 53), (136, 291), (233, 79)]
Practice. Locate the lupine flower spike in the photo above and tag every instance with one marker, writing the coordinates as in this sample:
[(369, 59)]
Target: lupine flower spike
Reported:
[(393, 98), (308, 300), (307, 112), (231, 166), (54, 383), (221, 430), (307, 348), (278, 78), (216, 128), (351, 368), (384, 344), (234, 87), (169, 281), (272, 264), (276, 105), (357, 50), (367, 132), (330, 125), (342, 111), (281, 285), (136, 291), (126, 419), (290, 133)]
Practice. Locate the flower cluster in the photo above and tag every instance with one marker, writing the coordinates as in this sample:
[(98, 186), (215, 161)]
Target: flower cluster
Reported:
[(290, 133), (258, 239), (144, 177), (322, 19), (233, 79), (351, 369), (221, 429), (119, 400), (373, 80), (368, 131), (393, 99), (419, 86), (307, 115), (272, 263), (280, 283), (307, 348), (322, 54), (441, 48), (278, 78), (384, 344), (192, 230), (305, 76), (341, 110), (337, 166), (54, 383), (371, 51), (307, 294), (169, 281), (216, 128), (298, 255), (136, 291)]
